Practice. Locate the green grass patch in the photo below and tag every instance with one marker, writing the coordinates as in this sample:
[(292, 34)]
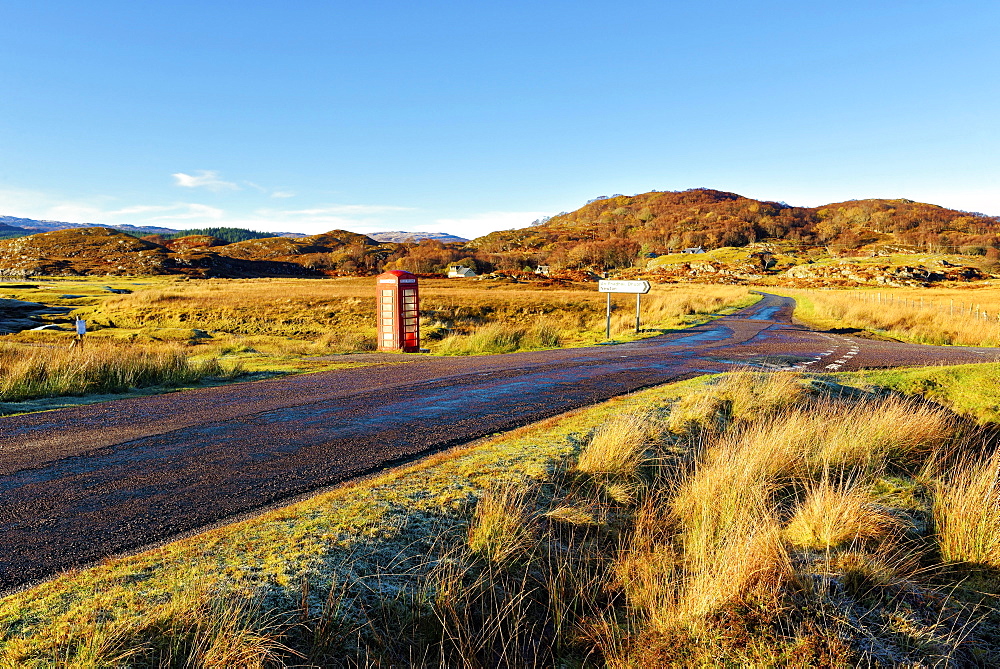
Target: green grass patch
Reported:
[(968, 390)]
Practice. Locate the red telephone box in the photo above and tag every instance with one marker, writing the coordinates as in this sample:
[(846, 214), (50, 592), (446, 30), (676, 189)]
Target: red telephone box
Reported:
[(398, 312)]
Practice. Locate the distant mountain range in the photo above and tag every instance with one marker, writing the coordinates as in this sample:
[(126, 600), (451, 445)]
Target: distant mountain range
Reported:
[(10, 225), (13, 226), (398, 237)]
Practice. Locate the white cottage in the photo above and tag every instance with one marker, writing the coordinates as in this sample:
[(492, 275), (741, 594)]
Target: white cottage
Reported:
[(460, 272)]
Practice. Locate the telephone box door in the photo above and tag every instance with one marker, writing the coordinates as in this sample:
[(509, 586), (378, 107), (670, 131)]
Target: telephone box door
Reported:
[(398, 312)]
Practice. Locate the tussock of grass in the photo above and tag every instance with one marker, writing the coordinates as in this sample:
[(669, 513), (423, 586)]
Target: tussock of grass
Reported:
[(101, 367), (618, 447), (572, 515), (736, 397), (504, 520), (502, 338), (832, 515), (967, 512)]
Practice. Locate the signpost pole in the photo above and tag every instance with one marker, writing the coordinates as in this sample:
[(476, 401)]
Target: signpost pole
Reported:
[(639, 288), (608, 319)]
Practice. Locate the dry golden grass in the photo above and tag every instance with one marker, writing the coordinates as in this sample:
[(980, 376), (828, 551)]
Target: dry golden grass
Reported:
[(785, 432), (727, 542), (736, 397), (748, 564), (618, 447), (967, 512), (833, 514), (28, 372), (866, 433), (458, 317), (503, 525), (960, 316)]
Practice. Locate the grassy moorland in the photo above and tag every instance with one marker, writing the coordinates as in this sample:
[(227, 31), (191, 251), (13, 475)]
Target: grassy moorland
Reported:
[(968, 316), (338, 315), (741, 519), (167, 333)]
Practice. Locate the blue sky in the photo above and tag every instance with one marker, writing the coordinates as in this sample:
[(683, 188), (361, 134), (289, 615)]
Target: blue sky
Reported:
[(465, 117)]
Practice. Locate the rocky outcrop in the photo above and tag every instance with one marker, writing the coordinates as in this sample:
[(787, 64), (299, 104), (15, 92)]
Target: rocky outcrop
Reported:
[(858, 274), (709, 271)]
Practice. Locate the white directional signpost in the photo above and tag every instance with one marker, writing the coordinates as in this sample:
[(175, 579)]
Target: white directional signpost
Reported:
[(640, 288)]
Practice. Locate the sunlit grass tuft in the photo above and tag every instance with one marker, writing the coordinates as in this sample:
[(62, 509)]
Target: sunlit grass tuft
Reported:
[(967, 512), (101, 367), (504, 521), (832, 515), (618, 447)]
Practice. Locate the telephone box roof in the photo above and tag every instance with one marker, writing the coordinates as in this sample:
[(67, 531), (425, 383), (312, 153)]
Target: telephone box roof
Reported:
[(398, 273)]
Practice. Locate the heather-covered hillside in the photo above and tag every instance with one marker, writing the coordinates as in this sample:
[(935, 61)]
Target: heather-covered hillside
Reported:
[(612, 232), (106, 251)]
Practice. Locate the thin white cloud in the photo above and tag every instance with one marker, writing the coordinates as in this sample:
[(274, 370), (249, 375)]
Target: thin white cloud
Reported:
[(188, 211), (203, 179), (346, 209), (139, 209), (138, 215), (279, 194)]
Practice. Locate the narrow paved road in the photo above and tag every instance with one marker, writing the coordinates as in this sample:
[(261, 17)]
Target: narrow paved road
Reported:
[(83, 483)]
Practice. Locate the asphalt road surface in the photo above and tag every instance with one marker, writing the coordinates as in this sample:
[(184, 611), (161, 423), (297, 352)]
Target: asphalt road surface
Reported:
[(80, 484)]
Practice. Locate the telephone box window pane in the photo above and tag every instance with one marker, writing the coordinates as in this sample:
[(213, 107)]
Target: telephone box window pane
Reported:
[(387, 321), (387, 292), (387, 299), (387, 328), (408, 291)]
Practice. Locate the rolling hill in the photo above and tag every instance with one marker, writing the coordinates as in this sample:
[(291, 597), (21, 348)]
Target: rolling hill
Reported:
[(611, 230), (638, 235), (107, 251)]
